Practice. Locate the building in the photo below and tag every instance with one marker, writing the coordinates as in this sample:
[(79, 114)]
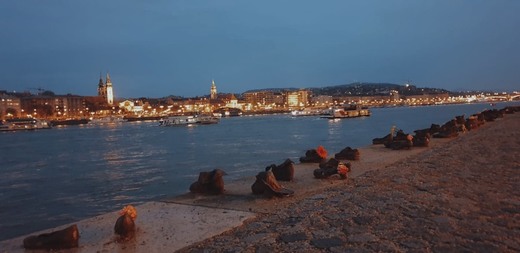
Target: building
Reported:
[(232, 102), (127, 105), (102, 92), (394, 95), (105, 90), (258, 97), (9, 106), (213, 91), (322, 101), (57, 106), (297, 98), (265, 98), (70, 106)]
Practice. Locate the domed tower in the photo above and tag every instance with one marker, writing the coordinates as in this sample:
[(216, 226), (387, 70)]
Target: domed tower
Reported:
[(109, 91), (213, 91)]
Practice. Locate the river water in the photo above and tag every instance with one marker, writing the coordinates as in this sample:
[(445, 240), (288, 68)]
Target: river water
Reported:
[(58, 176)]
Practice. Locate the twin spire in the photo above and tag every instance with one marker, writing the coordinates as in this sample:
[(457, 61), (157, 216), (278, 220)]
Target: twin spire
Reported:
[(105, 89), (101, 83)]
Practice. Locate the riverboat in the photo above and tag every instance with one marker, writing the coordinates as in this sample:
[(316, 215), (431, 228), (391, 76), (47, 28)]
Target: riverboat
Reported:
[(349, 111), (178, 121), (308, 112), (24, 124), (142, 118), (69, 122), (107, 120), (188, 120), (206, 120)]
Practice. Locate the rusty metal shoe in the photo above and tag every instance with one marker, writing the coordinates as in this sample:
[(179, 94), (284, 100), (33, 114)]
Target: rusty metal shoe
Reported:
[(266, 184), (62, 239), (325, 172), (125, 226), (284, 171), (209, 182), (348, 153)]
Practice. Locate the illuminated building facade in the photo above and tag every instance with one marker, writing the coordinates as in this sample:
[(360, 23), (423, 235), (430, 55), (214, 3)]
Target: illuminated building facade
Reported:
[(9, 106)]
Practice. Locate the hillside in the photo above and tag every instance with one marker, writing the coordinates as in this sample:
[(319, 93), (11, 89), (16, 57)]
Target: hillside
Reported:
[(365, 89)]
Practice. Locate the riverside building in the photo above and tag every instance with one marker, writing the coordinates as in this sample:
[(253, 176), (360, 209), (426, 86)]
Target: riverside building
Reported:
[(9, 106)]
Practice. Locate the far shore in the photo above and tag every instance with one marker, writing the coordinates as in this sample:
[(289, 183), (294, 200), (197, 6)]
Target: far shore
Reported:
[(383, 184)]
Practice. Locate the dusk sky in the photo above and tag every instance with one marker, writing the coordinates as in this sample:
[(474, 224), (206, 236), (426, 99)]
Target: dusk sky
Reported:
[(161, 48)]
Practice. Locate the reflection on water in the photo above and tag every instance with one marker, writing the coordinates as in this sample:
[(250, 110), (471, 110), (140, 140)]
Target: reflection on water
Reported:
[(61, 175)]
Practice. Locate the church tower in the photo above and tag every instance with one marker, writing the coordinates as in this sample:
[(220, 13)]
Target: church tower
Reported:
[(101, 88), (109, 91), (213, 92)]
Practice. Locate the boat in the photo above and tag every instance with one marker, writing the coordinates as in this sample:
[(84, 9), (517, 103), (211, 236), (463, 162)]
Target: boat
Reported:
[(206, 120), (178, 121), (348, 111), (308, 112), (228, 112), (142, 118), (24, 124), (69, 122), (4, 126), (107, 120), (189, 120)]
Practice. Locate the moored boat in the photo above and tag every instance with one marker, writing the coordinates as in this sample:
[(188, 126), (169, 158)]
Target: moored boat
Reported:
[(206, 119), (68, 122), (189, 120), (308, 112), (107, 120), (141, 118), (178, 121), (24, 124), (349, 111)]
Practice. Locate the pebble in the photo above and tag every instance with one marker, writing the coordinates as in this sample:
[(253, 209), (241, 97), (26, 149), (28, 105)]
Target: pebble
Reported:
[(325, 243), (287, 238)]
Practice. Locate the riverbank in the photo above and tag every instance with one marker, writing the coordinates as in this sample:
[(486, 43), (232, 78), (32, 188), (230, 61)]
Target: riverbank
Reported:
[(454, 197), (394, 200)]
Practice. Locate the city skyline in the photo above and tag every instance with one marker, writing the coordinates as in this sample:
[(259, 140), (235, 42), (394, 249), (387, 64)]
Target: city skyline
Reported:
[(177, 48)]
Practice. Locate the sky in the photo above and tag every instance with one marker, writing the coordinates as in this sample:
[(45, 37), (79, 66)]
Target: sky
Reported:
[(177, 47)]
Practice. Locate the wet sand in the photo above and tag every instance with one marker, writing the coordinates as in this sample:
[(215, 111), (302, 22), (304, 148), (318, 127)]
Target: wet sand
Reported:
[(458, 194)]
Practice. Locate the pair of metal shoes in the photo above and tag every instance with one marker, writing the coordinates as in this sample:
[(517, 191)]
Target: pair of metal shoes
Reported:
[(284, 171), (348, 153), (267, 184), (317, 155), (331, 168), (209, 182), (62, 239), (69, 237)]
